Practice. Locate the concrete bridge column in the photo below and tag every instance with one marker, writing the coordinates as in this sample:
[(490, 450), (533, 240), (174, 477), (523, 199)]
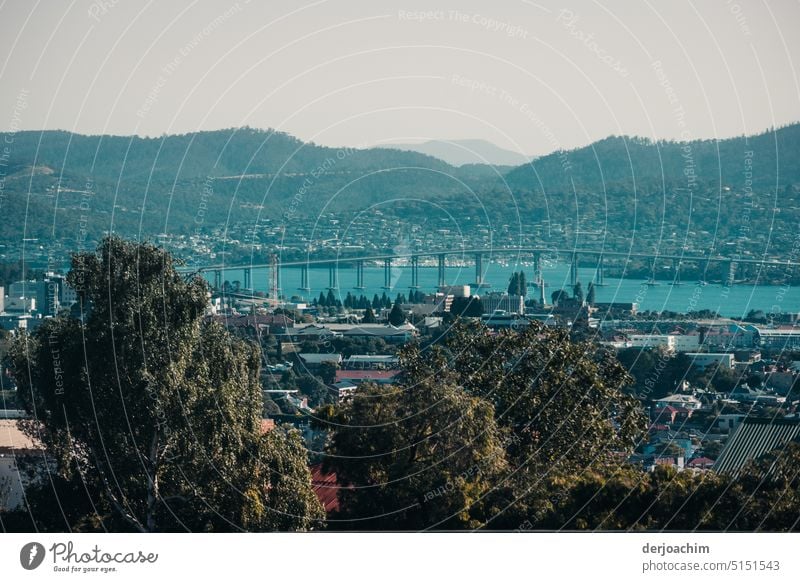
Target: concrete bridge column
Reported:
[(387, 273), (304, 286), (333, 277), (359, 275), (478, 269), (676, 266), (573, 270), (601, 275)]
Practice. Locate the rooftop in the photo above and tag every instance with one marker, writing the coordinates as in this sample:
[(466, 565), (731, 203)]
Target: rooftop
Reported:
[(12, 439), (753, 438)]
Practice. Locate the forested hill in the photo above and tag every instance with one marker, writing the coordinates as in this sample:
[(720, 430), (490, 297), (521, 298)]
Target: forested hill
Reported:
[(144, 186), (630, 192), (773, 158), (231, 152)]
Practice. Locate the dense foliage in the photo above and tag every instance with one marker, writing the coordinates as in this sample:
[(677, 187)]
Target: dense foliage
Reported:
[(152, 418)]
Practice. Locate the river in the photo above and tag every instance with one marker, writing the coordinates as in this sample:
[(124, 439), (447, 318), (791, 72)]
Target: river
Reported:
[(730, 301)]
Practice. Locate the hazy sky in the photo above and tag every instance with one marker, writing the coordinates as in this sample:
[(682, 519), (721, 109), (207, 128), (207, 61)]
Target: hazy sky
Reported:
[(528, 76)]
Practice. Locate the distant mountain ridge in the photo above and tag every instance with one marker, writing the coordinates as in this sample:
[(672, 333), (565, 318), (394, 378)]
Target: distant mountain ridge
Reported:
[(56, 185), (206, 153), (773, 157), (464, 151)]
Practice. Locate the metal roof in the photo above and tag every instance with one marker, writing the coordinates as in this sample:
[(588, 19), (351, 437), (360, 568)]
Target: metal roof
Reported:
[(753, 438)]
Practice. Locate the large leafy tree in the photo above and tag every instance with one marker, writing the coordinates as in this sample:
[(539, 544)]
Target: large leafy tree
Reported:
[(422, 455), (369, 316), (466, 307), (529, 408), (563, 400), (154, 412), (513, 284), (560, 404), (517, 285)]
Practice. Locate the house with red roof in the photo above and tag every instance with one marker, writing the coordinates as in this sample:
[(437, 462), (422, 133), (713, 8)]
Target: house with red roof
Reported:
[(664, 414), (326, 487), (701, 463)]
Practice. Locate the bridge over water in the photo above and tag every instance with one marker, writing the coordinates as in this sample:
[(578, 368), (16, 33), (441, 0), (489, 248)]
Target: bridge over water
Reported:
[(478, 255)]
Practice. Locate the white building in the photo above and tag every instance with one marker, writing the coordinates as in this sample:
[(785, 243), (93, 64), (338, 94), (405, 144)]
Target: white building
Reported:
[(652, 341), (679, 401), (686, 342), (782, 338), (670, 342), (503, 302), (456, 290), (704, 360)]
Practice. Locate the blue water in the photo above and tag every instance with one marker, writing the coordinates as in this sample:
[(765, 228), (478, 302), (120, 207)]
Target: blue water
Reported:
[(730, 301)]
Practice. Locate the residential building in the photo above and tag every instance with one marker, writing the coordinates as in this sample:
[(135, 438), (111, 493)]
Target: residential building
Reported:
[(370, 362), (514, 304), (700, 463), (652, 341), (343, 389), (728, 337), (312, 362), (456, 290), (679, 401), (702, 360), (672, 342)]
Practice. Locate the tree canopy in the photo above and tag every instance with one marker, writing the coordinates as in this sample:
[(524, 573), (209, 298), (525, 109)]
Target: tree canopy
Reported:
[(396, 315), (477, 423), (154, 412), (417, 456)]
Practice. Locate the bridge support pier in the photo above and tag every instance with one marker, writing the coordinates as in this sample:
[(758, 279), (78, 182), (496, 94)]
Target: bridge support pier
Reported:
[(573, 270), (731, 278), (442, 277), (274, 278), (478, 269), (542, 293), (600, 277), (537, 270), (414, 272), (676, 266), (652, 271), (387, 273), (359, 275), (333, 277), (217, 279), (246, 278), (304, 286)]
